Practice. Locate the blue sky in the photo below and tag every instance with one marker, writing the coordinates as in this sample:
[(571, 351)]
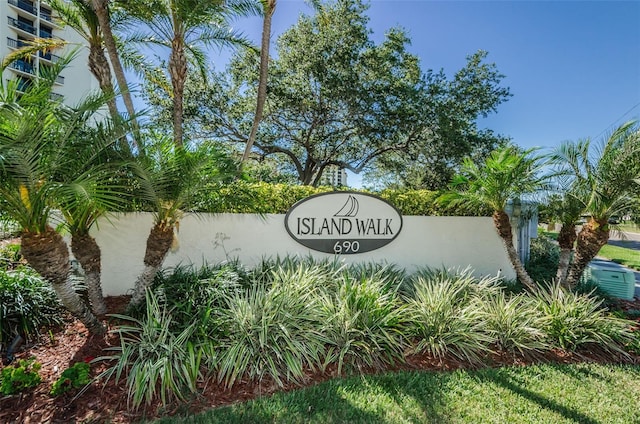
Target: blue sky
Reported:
[(573, 66)]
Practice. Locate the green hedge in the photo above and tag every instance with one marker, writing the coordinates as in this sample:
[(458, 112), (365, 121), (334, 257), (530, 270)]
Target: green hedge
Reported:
[(244, 197)]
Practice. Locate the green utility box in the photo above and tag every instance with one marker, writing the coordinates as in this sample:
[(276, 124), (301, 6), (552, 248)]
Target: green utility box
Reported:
[(613, 279)]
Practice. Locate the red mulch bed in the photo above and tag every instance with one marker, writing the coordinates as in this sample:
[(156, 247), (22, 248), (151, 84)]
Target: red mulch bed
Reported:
[(107, 403)]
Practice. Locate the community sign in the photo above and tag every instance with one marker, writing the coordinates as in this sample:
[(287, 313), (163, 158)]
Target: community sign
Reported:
[(343, 222)]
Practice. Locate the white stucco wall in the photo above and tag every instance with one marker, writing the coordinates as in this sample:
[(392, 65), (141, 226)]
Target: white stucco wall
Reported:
[(424, 241)]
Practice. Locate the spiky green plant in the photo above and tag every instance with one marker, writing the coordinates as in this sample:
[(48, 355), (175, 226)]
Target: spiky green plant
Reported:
[(271, 332), (513, 323), (363, 319), (571, 320), (155, 361), (324, 272), (444, 317)]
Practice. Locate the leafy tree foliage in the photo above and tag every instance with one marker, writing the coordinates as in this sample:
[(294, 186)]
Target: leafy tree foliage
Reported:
[(451, 108), (334, 97)]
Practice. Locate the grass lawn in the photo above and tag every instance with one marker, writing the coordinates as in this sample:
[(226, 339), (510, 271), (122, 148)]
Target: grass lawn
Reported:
[(584, 393), (551, 234), (630, 228), (621, 255)]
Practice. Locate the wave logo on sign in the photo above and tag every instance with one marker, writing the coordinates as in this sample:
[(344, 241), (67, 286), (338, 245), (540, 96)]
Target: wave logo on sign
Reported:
[(343, 222)]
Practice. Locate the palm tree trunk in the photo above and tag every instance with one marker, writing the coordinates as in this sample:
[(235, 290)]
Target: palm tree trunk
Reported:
[(566, 240), (48, 254), (269, 9), (87, 252), (178, 72), (99, 67), (594, 235), (158, 245), (503, 225), (564, 261), (101, 8)]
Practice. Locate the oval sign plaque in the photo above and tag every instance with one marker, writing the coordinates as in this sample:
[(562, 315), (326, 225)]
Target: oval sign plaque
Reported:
[(343, 222)]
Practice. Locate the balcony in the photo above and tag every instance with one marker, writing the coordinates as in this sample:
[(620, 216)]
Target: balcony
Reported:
[(23, 26), (23, 85), (45, 34), (23, 5), (16, 44), (56, 96), (49, 56), (22, 66), (47, 15), (45, 71)]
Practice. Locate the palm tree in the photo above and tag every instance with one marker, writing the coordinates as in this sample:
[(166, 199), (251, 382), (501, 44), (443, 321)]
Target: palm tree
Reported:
[(34, 150), (169, 176), (183, 26), (269, 7), (607, 177), (506, 174), (102, 12), (80, 16), (569, 214), (93, 200), (566, 207)]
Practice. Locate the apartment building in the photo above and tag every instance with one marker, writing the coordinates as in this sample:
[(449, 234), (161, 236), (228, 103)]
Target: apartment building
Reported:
[(334, 176), (24, 20)]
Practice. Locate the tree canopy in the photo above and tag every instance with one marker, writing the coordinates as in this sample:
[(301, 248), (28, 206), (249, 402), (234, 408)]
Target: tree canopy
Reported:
[(335, 97)]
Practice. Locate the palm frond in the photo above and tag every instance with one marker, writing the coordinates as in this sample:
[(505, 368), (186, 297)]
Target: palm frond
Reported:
[(31, 48)]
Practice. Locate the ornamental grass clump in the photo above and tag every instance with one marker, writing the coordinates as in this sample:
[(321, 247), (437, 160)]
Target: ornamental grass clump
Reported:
[(272, 331), (513, 323), (154, 360), (363, 319), (444, 315), (320, 273), (571, 320)]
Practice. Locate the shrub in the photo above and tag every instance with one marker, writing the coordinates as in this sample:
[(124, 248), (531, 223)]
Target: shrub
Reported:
[(514, 324), (245, 197), (571, 320), (272, 331), (14, 379), (444, 315), (73, 377), (543, 259), (194, 295), (27, 303), (10, 256), (154, 359), (363, 319), (423, 202)]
